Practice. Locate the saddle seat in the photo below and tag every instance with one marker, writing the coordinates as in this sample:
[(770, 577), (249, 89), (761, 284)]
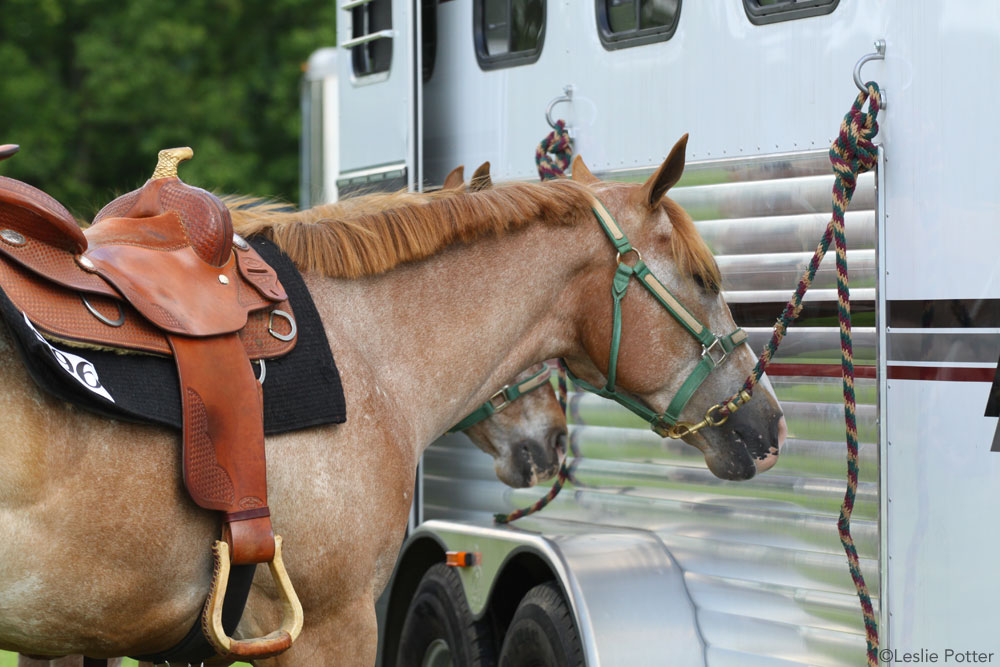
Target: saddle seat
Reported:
[(161, 271)]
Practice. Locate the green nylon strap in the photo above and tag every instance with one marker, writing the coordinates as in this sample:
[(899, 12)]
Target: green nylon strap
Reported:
[(610, 227), (666, 298), (622, 279), (509, 394), (626, 402), (618, 287), (699, 375)]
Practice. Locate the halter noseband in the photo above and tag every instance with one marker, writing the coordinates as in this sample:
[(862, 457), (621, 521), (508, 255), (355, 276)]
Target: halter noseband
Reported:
[(503, 398), (714, 349)]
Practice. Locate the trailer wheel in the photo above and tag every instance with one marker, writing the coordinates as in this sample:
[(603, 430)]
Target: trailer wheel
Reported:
[(439, 630), (542, 632)]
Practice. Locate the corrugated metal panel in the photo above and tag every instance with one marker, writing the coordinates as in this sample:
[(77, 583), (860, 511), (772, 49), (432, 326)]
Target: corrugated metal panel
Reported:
[(762, 559)]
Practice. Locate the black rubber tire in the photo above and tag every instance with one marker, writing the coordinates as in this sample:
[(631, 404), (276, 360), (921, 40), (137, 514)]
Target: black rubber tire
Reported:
[(439, 611), (542, 632)]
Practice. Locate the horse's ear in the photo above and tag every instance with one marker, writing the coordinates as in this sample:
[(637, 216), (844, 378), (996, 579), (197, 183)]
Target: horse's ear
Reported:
[(455, 178), (481, 178), (581, 173), (666, 176)]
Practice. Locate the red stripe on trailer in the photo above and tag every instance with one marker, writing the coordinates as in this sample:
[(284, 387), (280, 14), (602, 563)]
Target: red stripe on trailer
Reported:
[(817, 370), (896, 372), (944, 373)]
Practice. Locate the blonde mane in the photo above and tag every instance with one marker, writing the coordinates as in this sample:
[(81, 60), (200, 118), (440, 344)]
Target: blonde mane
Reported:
[(371, 234)]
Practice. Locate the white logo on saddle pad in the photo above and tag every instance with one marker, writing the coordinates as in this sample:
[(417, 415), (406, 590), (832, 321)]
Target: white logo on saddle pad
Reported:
[(78, 368)]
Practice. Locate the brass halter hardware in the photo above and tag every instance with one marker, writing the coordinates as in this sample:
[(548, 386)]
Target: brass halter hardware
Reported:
[(714, 349), (683, 429)]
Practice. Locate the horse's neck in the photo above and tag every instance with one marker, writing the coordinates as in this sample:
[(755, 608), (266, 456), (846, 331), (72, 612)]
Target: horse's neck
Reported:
[(441, 335)]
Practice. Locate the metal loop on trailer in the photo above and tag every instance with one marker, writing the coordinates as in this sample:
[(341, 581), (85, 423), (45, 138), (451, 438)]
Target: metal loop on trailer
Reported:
[(567, 96), (878, 55)]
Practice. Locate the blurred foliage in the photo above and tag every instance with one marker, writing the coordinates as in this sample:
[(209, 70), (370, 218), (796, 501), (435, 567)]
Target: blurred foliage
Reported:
[(92, 89)]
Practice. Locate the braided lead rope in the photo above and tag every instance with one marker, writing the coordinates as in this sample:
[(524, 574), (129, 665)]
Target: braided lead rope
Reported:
[(557, 486), (852, 153), (559, 144)]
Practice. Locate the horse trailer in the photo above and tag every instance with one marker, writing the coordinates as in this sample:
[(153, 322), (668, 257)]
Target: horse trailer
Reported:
[(652, 559)]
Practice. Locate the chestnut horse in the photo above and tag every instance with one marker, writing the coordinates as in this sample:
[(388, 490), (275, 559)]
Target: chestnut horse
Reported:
[(526, 438), (429, 305)]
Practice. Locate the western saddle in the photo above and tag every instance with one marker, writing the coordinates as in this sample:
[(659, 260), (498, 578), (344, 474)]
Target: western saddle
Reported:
[(160, 271)]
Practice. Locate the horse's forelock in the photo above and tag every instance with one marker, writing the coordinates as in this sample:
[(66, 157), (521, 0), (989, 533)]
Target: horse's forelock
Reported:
[(689, 249)]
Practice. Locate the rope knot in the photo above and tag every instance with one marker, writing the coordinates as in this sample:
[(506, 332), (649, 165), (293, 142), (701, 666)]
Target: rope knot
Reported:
[(559, 144), (854, 152)]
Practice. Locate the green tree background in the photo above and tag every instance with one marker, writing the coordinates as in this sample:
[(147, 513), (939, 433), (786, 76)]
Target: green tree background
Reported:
[(92, 89)]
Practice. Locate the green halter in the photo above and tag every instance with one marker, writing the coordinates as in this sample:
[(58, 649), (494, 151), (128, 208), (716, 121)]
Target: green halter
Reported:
[(715, 349), (503, 398)]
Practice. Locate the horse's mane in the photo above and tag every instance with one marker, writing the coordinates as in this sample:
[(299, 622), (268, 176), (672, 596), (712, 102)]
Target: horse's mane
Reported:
[(371, 234), (689, 250)]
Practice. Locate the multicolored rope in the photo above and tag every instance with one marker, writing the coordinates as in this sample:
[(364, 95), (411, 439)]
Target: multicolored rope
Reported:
[(559, 144), (852, 153), (557, 486)]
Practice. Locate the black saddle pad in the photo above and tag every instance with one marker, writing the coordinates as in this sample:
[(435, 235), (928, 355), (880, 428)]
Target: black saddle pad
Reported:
[(301, 389)]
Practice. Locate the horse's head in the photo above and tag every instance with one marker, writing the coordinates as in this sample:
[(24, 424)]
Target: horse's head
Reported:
[(670, 315), (527, 438)]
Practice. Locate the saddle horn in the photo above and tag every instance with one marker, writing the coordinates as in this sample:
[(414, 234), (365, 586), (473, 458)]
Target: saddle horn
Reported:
[(168, 159)]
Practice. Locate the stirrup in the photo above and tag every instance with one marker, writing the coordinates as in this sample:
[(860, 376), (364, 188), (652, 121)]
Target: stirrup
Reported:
[(261, 647)]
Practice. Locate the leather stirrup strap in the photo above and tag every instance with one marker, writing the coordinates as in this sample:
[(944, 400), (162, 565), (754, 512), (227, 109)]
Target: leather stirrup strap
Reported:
[(224, 464)]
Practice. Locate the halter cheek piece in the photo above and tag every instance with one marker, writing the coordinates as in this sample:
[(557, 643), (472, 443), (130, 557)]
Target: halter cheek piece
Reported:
[(714, 349), (503, 398)]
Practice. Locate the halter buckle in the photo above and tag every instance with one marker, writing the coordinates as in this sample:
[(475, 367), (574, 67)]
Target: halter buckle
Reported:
[(500, 396), (716, 357)]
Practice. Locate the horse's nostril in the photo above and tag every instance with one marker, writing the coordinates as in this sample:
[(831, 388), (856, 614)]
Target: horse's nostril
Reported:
[(782, 432), (556, 439)]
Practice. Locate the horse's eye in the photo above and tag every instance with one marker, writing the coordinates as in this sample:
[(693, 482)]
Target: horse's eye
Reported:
[(713, 288)]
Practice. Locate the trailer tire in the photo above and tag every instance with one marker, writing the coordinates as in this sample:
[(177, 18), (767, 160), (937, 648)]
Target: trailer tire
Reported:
[(439, 626), (542, 632)]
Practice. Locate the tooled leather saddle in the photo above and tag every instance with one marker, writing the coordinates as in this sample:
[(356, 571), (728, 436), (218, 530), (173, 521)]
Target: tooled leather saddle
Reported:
[(161, 271)]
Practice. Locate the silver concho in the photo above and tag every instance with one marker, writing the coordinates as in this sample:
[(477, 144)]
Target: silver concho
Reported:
[(11, 237)]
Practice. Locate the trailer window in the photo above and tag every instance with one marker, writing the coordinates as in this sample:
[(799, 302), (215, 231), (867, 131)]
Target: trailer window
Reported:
[(771, 11), (508, 32), (371, 27), (622, 23)]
